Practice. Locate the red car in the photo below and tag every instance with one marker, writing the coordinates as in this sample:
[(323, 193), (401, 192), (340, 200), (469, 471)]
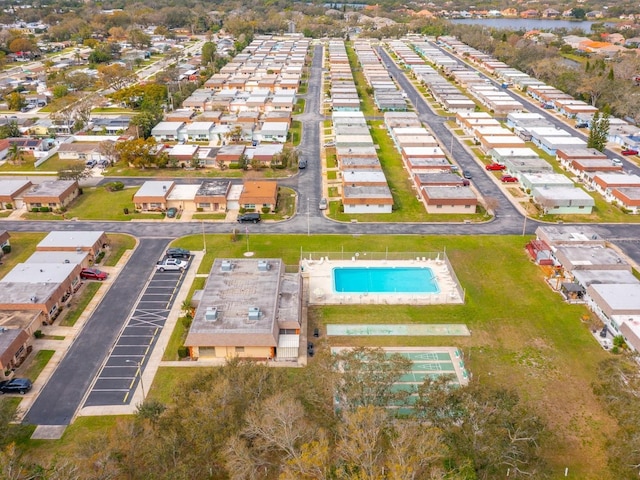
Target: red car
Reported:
[(495, 166), (93, 274), (508, 179), (629, 151)]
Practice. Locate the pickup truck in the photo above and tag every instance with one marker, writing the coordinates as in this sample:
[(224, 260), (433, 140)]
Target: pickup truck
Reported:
[(171, 264)]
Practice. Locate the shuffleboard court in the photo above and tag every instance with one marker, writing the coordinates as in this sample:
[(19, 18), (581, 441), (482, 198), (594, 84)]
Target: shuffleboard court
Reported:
[(453, 329)]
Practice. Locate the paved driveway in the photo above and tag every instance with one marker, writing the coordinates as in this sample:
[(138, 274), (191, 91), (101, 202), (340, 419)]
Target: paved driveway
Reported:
[(62, 395)]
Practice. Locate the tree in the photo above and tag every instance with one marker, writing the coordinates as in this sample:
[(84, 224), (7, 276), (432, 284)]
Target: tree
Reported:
[(116, 76), (599, 131), (138, 152), (15, 101), (60, 91), (139, 39), (367, 376), (145, 121), (73, 171), (21, 44), (9, 130), (15, 155), (208, 53)]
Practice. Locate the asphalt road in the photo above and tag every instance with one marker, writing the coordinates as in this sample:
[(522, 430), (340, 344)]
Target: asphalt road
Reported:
[(59, 399)]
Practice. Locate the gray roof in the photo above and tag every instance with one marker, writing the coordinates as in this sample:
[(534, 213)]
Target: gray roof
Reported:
[(213, 188), (70, 256), (9, 187), (621, 298), (153, 188), (367, 192), (588, 277), (49, 189), (234, 293), (450, 193)]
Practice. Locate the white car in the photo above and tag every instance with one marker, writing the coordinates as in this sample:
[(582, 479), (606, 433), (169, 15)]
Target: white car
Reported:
[(171, 264), (323, 204)]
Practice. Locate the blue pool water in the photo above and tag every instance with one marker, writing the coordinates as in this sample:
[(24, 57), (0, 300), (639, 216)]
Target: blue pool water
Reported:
[(384, 280)]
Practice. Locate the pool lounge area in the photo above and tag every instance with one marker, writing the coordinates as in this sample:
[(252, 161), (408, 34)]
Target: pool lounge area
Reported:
[(420, 280)]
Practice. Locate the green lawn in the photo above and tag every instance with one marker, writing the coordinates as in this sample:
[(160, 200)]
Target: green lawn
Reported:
[(295, 132), (209, 216), (406, 208), (366, 99), (332, 175), (523, 335), (22, 246), (332, 160), (286, 205), (118, 243), (91, 206), (37, 364), (79, 303), (122, 171), (299, 107)]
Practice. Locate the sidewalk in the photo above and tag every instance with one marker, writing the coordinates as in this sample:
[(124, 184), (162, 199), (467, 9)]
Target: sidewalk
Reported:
[(62, 346)]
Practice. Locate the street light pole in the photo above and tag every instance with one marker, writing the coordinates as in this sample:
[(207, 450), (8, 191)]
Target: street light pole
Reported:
[(524, 225), (308, 219), (204, 239), (139, 372)]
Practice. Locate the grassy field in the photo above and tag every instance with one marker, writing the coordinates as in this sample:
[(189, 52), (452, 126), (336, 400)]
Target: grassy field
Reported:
[(37, 364), (78, 304), (209, 216), (366, 100), (118, 243), (523, 336), (22, 246), (91, 206)]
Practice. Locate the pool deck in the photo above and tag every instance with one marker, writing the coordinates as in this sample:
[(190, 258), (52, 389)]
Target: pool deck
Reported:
[(319, 274)]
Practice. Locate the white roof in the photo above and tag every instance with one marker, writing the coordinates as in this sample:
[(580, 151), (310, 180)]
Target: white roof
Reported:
[(71, 239), (69, 256), (154, 188), (39, 273), (183, 192), (9, 187), (185, 149)]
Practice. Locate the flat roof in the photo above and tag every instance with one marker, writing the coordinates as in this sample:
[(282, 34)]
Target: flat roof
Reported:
[(589, 277), (585, 256), (17, 319), (364, 191), (446, 192), (154, 188), (233, 293), (619, 296), (49, 189), (37, 273), (183, 192), (369, 176), (547, 179), (213, 188), (563, 193), (71, 239), (9, 187), (69, 256)]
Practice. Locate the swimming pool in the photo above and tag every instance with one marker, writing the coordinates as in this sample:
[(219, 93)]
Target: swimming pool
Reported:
[(384, 280)]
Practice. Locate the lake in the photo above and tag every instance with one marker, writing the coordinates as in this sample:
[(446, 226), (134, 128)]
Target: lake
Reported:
[(525, 23)]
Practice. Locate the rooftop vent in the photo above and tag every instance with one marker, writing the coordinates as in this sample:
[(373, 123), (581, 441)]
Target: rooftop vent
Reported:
[(226, 266), (263, 266), (254, 313), (211, 314)]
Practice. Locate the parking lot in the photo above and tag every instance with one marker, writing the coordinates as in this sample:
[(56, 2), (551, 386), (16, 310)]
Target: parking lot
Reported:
[(121, 373)]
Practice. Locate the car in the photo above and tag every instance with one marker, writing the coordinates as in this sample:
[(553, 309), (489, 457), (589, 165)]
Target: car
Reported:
[(171, 264), (93, 274), (302, 164), (547, 106), (604, 331), (252, 217), (617, 162), (323, 204), (495, 166), (177, 253), (172, 212), (329, 144), (16, 385), (103, 163), (509, 179), (582, 125), (629, 151), (91, 163), (467, 175), (316, 332), (310, 350)]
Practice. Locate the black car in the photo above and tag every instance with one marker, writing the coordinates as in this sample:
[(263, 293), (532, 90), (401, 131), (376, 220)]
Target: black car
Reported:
[(249, 217), (16, 385), (467, 175), (310, 351), (178, 253), (302, 164), (316, 332)]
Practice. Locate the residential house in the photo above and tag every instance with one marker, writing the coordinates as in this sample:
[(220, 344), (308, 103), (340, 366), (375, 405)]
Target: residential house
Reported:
[(152, 196), (12, 193), (54, 194), (259, 196)]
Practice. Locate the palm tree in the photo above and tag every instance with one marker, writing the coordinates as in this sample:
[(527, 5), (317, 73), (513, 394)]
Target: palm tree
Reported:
[(15, 154)]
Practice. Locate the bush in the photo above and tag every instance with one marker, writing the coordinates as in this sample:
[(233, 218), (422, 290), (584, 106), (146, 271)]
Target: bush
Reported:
[(183, 352), (186, 321), (235, 166), (8, 206), (6, 249), (45, 209), (199, 209), (114, 186), (35, 209), (266, 210), (242, 210), (38, 334), (99, 258)]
